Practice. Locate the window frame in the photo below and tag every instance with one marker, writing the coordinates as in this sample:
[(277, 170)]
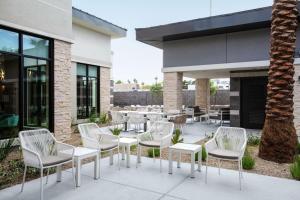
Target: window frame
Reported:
[(21, 58), (87, 76)]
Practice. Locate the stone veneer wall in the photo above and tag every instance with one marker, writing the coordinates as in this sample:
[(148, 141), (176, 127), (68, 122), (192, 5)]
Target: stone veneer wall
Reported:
[(62, 90), (202, 93), (297, 99), (104, 89), (172, 91)]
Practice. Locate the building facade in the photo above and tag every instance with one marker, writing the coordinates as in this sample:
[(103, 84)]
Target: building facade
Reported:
[(234, 46), (55, 64)]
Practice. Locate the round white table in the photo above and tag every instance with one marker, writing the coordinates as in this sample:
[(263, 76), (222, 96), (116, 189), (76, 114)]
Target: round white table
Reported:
[(126, 143)]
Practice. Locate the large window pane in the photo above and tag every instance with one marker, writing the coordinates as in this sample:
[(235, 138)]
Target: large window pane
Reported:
[(34, 46), (93, 95), (9, 41), (36, 93), (81, 97), (9, 96)]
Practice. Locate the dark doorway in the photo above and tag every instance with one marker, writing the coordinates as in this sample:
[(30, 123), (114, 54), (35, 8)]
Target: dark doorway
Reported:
[(253, 102)]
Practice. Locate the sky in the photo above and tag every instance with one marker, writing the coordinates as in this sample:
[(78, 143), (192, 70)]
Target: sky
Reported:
[(133, 59)]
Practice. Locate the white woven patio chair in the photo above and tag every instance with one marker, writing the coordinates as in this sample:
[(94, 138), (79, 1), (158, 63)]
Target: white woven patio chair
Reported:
[(41, 150), (228, 143), (99, 138), (190, 114), (118, 118), (136, 119), (154, 117), (158, 136)]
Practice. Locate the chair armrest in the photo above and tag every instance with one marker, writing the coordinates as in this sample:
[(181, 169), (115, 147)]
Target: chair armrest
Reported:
[(90, 143), (108, 138), (63, 147), (166, 141), (243, 149), (31, 158), (210, 145)]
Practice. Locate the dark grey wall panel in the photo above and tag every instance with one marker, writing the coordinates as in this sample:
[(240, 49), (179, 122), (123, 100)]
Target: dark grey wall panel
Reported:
[(241, 46), (204, 50), (248, 46)]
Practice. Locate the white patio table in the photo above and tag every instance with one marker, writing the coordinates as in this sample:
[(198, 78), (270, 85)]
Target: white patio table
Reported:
[(188, 149), (126, 143), (83, 153)]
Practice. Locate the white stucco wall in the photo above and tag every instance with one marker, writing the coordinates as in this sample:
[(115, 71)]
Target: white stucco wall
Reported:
[(91, 47), (52, 18)]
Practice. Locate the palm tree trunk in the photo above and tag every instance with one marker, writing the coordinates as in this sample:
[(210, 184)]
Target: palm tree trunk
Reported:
[(279, 139)]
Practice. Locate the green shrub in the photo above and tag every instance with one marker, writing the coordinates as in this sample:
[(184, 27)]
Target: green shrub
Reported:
[(295, 168), (253, 140), (5, 148), (150, 152), (247, 161), (103, 118), (176, 137), (94, 118), (204, 154), (116, 131), (133, 147)]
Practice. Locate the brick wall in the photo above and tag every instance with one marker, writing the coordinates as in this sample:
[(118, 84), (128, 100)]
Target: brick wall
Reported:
[(62, 90), (172, 90), (104, 89), (202, 93)]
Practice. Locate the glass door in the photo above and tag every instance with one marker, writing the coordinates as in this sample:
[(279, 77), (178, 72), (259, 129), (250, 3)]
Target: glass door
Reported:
[(36, 90)]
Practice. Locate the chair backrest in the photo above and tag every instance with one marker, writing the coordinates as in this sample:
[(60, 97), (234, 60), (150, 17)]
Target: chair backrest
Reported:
[(40, 141), (189, 111), (135, 118), (231, 138), (89, 130), (116, 116), (154, 117), (160, 129)]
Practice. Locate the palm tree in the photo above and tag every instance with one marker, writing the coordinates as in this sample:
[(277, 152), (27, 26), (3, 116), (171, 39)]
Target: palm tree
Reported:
[(279, 139)]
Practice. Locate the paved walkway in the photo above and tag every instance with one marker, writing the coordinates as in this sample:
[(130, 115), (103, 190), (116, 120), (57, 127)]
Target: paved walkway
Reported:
[(147, 183)]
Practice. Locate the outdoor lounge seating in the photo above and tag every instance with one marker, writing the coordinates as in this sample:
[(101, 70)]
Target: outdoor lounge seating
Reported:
[(159, 136), (41, 150), (222, 115), (190, 114), (95, 138), (138, 120), (228, 143), (118, 118)]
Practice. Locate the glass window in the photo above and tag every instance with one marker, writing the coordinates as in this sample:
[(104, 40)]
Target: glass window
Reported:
[(87, 91), (36, 92), (9, 41), (9, 96), (34, 46)]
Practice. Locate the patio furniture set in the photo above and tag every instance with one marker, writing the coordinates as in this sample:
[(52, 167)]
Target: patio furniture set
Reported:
[(41, 149)]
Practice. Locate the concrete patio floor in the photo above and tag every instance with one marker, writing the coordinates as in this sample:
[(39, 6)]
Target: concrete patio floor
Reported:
[(147, 183)]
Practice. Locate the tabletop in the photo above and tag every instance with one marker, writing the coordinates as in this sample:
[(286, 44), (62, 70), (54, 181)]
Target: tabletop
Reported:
[(186, 147)]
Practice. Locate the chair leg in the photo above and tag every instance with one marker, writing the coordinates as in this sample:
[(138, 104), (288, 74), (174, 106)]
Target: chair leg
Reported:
[(219, 166), (240, 182), (24, 177), (111, 158), (99, 163), (206, 163), (160, 162), (73, 174), (119, 157), (241, 168), (41, 185), (47, 175)]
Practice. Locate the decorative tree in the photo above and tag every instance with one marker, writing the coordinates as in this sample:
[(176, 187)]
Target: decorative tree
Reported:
[(279, 139)]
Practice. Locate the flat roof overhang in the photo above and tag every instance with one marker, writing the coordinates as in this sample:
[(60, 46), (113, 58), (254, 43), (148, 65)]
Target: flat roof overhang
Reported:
[(233, 22)]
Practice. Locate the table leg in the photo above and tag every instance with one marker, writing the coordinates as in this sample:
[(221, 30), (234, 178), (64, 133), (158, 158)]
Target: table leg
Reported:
[(170, 161), (128, 156), (179, 160), (111, 157), (58, 173), (78, 173), (192, 165), (96, 166), (199, 160), (123, 152)]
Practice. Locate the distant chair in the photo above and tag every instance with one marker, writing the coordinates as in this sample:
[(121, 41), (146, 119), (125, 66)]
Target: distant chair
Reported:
[(228, 143), (154, 117), (179, 122), (138, 120), (190, 114), (118, 118), (41, 150), (159, 136), (222, 115)]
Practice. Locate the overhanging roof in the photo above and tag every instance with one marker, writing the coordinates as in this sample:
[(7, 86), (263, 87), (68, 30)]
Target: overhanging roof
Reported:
[(97, 24), (239, 21)]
